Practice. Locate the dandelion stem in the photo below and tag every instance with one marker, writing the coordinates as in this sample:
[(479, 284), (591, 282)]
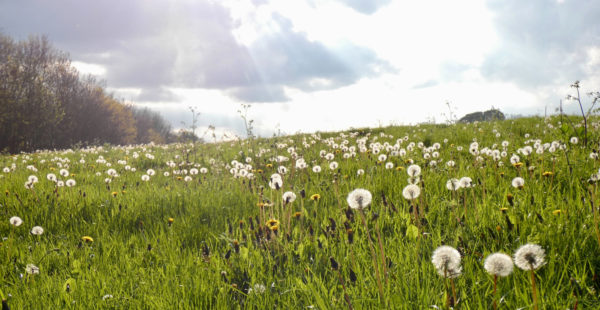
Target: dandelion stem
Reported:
[(373, 255), (495, 297), (533, 291), (382, 252)]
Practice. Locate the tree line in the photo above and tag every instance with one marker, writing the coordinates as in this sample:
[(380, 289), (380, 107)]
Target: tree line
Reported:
[(45, 103)]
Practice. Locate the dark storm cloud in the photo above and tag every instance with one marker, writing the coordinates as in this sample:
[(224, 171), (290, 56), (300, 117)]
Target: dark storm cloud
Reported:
[(542, 41), (157, 44), (365, 6)]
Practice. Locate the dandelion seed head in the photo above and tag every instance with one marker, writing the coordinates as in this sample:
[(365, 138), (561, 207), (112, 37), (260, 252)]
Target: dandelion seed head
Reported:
[(359, 199), (530, 256), (411, 191), (446, 260), (15, 221), (498, 264)]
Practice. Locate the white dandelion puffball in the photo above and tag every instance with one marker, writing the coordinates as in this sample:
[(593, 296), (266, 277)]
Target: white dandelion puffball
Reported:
[(446, 260), (37, 230), (411, 191), (465, 182), (60, 183), (15, 221), (574, 140), (64, 172), (32, 179), (70, 183), (316, 169), (453, 184), (360, 171), (51, 177), (150, 172), (498, 264), (530, 257), (145, 178), (193, 171), (32, 269), (187, 178), (333, 165), (359, 199), (289, 197), (413, 170), (518, 182)]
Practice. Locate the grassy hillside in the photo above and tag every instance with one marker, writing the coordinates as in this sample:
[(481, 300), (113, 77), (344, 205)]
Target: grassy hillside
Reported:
[(206, 226)]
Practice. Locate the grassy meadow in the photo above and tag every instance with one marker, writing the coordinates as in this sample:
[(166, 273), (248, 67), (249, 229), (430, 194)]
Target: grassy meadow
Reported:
[(184, 226)]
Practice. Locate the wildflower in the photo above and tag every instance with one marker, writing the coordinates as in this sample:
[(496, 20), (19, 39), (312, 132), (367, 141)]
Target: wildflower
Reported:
[(276, 181), (530, 257), (289, 197), (518, 182), (453, 184), (359, 199), (465, 182), (446, 260), (315, 197), (574, 140), (273, 225), (15, 221), (413, 170), (87, 239), (32, 269), (498, 264), (411, 191), (37, 230), (170, 221), (51, 177)]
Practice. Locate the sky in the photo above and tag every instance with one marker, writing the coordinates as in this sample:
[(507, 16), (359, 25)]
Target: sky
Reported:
[(324, 65)]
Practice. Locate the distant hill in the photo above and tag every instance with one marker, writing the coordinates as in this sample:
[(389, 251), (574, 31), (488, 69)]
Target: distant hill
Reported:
[(489, 115)]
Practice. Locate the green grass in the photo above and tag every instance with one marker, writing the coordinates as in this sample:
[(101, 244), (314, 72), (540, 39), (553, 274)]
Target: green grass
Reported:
[(219, 254)]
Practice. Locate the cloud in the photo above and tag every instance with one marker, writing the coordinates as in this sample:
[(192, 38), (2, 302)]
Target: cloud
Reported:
[(365, 6), (542, 42), (157, 94), (153, 45)]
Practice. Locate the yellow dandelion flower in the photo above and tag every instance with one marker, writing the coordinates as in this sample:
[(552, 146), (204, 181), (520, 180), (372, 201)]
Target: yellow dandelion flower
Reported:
[(123, 191), (179, 178), (52, 169), (557, 212), (498, 228), (272, 222), (259, 171), (87, 239), (548, 173), (518, 165), (315, 197), (399, 168), (269, 166), (274, 228), (297, 215), (260, 204), (114, 194), (170, 220), (504, 209)]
